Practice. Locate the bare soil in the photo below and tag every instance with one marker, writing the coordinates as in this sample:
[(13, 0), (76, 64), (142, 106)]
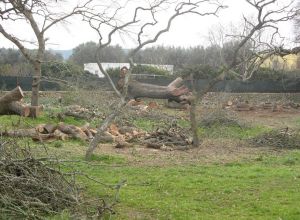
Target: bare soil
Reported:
[(212, 150)]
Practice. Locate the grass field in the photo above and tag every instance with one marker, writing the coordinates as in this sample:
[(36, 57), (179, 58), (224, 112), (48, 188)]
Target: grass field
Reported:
[(226, 178), (263, 188)]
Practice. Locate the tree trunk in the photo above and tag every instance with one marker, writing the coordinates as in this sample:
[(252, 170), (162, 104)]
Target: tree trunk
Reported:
[(99, 135), (9, 103), (72, 130), (174, 91), (35, 89), (19, 108), (32, 133)]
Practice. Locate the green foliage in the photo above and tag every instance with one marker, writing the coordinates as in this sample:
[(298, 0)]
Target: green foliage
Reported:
[(147, 69), (113, 72), (276, 75), (140, 69), (86, 53), (13, 63), (199, 71), (61, 70)]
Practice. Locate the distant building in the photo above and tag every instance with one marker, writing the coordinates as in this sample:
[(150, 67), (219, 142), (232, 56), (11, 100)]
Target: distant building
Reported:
[(94, 69)]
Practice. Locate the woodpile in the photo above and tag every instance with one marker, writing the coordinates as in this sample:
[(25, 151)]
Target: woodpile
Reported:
[(61, 131), (123, 136), (77, 111), (172, 138), (282, 138)]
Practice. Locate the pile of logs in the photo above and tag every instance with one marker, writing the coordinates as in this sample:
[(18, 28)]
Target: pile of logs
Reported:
[(123, 136), (79, 112), (61, 131), (11, 103)]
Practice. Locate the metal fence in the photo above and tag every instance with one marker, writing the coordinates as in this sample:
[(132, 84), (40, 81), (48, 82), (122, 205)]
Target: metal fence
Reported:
[(288, 86)]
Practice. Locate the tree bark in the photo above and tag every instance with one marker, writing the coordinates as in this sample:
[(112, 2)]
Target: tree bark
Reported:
[(73, 131), (175, 91), (9, 103), (32, 133), (19, 108), (35, 89)]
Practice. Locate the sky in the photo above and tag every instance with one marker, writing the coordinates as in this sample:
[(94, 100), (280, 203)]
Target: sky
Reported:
[(186, 31)]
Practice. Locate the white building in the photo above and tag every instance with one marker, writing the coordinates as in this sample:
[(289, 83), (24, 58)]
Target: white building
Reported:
[(94, 69)]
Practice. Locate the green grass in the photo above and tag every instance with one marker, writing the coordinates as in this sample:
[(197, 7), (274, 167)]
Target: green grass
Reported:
[(14, 121), (298, 121), (108, 159), (145, 124), (265, 188), (231, 132)]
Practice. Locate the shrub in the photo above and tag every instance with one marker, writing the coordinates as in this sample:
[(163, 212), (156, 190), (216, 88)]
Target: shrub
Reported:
[(200, 71)]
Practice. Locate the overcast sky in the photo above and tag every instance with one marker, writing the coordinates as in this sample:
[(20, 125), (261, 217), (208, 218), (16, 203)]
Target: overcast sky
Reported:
[(191, 30)]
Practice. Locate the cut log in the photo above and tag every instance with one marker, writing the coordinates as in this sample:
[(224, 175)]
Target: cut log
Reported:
[(85, 129), (50, 128), (32, 133), (40, 128), (174, 91), (73, 131), (19, 108), (14, 95), (93, 131), (9, 103), (60, 135)]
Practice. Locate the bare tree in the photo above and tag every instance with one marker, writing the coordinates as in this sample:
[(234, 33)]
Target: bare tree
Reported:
[(268, 16), (297, 24), (144, 27), (39, 16)]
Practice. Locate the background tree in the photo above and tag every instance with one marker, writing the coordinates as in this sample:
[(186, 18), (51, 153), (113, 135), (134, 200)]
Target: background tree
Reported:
[(147, 32), (39, 16), (13, 63), (269, 13), (85, 53)]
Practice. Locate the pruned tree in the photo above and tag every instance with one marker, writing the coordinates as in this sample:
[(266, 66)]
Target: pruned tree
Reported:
[(297, 24), (39, 16), (144, 25), (269, 13)]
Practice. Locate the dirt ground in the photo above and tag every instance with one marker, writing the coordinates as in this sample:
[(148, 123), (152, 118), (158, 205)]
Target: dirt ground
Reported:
[(212, 150)]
